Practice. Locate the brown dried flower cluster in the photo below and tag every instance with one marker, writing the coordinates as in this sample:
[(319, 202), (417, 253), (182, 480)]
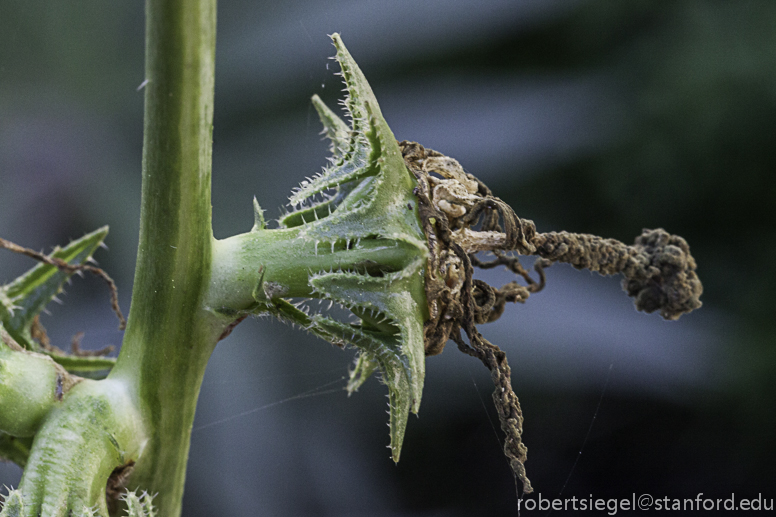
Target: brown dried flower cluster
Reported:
[(462, 217)]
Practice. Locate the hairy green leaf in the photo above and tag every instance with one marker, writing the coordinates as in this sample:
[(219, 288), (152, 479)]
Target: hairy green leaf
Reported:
[(28, 295)]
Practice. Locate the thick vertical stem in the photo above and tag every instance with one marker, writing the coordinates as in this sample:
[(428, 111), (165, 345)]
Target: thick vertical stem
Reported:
[(169, 337)]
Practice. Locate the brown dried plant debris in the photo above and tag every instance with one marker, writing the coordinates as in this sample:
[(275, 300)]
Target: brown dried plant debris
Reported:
[(38, 333), (75, 348), (462, 217), (116, 486)]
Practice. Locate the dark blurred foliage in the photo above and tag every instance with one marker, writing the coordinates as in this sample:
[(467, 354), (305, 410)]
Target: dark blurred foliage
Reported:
[(591, 116)]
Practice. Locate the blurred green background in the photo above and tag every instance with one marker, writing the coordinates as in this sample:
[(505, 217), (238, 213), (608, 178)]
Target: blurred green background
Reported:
[(597, 116)]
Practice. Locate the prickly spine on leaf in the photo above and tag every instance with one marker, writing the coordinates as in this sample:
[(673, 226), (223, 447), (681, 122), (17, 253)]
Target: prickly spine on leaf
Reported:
[(365, 365), (258, 216), (333, 128)]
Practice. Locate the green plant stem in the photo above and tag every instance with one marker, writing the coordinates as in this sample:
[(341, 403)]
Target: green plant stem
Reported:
[(278, 263), (96, 429), (169, 337)]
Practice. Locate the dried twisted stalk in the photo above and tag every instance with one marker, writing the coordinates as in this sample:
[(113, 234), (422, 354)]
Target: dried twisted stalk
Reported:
[(658, 269)]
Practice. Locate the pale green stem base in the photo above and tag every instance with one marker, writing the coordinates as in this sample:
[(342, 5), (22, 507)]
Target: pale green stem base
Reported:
[(264, 264)]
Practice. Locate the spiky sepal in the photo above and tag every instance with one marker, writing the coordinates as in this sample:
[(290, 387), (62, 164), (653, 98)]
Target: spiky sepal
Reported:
[(355, 229)]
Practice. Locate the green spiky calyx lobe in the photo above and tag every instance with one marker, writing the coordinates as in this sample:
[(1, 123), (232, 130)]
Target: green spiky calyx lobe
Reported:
[(364, 201)]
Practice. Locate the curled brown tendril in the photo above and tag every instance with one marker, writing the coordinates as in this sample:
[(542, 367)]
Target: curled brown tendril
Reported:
[(38, 333), (461, 217)]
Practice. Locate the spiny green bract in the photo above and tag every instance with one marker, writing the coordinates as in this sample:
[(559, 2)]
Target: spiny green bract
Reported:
[(139, 505), (366, 193), (24, 299), (13, 504)]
